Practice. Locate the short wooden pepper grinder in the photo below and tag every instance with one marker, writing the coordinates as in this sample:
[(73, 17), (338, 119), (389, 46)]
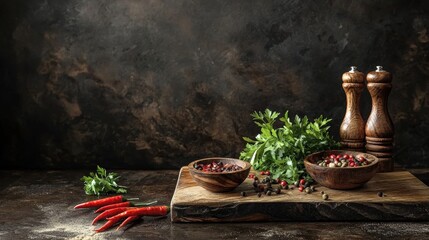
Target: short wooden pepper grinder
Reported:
[(352, 130), (379, 127)]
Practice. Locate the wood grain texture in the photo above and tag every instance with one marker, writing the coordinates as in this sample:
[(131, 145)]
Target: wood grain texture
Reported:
[(352, 129), (407, 199), (379, 128)]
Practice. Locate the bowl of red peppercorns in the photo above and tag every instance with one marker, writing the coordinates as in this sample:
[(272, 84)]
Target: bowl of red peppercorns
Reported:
[(340, 169), (219, 174)]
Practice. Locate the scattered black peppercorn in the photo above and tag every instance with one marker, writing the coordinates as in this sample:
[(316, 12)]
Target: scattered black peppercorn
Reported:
[(268, 193), (322, 192), (380, 194), (259, 194), (243, 194), (325, 196), (265, 190)]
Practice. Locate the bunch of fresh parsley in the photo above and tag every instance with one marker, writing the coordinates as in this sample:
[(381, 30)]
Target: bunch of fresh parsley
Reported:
[(282, 150), (100, 183)]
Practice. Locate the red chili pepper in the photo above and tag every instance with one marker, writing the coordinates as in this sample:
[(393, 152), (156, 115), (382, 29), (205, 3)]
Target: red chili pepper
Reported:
[(107, 225), (111, 206), (143, 211), (103, 202), (125, 204), (128, 220), (110, 213)]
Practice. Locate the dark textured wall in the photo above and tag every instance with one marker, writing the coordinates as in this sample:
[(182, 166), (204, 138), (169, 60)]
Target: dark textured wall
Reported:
[(156, 84)]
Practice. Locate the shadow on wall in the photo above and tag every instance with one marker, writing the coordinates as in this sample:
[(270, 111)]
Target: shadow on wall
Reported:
[(129, 84)]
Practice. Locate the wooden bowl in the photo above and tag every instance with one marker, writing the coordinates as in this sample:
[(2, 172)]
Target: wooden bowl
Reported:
[(340, 177), (219, 181)]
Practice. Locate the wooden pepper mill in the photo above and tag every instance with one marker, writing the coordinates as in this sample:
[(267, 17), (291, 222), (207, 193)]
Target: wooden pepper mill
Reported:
[(379, 127), (352, 130)]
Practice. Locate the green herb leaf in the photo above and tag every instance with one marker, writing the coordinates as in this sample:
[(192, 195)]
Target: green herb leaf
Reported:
[(282, 150), (101, 182)]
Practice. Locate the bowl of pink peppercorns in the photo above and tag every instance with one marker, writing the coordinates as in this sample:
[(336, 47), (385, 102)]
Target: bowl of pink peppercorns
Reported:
[(341, 169)]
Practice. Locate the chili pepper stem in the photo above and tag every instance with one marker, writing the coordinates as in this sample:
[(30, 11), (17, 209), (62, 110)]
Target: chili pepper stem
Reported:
[(131, 199), (141, 204)]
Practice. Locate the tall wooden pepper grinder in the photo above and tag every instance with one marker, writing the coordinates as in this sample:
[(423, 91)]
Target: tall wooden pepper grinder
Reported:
[(352, 130), (379, 127)]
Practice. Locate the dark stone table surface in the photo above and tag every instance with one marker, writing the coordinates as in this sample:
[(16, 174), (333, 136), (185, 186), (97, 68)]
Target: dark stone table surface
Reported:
[(39, 205)]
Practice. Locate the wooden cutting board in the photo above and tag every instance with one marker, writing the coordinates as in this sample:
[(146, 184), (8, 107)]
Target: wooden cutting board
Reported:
[(406, 199)]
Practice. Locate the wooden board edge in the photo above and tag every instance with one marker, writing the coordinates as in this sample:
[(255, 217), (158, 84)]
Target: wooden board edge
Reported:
[(417, 179), (303, 212), (172, 212)]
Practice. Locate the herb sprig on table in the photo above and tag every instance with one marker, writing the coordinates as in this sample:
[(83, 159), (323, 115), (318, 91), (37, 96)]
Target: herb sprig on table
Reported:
[(282, 150), (101, 182)]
